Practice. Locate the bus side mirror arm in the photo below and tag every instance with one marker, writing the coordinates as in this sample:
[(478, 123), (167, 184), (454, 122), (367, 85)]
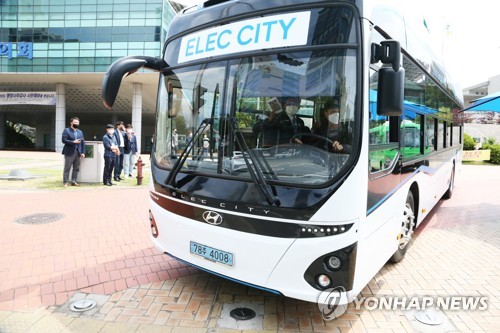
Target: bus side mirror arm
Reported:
[(122, 68), (391, 76), (388, 52)]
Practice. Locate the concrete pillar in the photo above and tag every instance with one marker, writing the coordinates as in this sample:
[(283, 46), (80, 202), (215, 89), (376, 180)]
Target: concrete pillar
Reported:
[(137, 112), (39, 135), (52, 130), (60, 122), (2, 130)]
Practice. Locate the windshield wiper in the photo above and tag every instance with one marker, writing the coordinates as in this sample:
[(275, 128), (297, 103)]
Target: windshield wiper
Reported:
[(185, 153), (255, 165)]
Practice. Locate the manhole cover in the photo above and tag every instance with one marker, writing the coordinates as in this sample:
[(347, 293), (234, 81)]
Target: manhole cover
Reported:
[(431, 316), (242, 314), (82, 305), (39, 218)]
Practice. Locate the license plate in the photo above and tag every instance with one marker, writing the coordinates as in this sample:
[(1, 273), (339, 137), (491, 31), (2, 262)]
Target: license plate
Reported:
[(211, 253)]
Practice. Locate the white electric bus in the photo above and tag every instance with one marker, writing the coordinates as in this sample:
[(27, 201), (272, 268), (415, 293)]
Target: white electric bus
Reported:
[(319, 134)]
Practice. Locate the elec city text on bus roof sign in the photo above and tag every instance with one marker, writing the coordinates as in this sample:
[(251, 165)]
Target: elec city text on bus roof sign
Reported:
[(249, 35)]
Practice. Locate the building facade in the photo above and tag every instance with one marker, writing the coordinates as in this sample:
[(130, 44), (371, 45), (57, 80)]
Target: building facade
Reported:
[(482, 125), (481, 89), (53, 56)]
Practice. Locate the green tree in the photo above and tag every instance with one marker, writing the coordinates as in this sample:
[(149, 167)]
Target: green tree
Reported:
[(491, 141), (469, 143), (495, 154), (180, 124), (244, 119)]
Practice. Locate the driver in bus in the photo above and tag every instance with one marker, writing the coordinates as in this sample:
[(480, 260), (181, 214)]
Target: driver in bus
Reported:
[(328, 126)]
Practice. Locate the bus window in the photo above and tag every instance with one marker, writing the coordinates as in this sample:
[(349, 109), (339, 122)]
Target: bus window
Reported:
[(382, 152), (429, 142), (192, 96), (411, 136), (442, 133), (456, 135)]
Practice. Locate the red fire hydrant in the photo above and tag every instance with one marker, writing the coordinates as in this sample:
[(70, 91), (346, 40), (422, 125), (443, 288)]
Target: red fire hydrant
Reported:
[(139, 166)]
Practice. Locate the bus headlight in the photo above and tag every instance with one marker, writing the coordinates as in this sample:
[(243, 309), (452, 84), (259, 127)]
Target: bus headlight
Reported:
[(323, 281), (334, 263)]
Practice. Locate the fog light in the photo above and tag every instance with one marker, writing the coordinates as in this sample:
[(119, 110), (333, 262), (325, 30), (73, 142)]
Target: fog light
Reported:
[(334, 263), (323, 281)]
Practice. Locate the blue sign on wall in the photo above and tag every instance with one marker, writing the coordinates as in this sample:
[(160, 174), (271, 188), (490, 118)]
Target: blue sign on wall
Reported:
[(24, 49)]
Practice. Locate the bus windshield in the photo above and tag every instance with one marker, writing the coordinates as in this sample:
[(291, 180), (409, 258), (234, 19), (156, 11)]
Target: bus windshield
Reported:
[(288, 116)]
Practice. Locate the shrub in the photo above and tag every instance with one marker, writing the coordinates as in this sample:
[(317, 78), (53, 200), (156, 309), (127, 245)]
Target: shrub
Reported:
[(495, 154), (491, 141), (469, 143)]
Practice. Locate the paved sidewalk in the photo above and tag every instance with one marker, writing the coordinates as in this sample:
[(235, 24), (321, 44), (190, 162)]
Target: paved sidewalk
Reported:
[(100, 249)]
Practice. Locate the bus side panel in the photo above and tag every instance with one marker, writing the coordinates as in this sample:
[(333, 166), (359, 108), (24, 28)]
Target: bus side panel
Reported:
[(434, 181), (378, 238)]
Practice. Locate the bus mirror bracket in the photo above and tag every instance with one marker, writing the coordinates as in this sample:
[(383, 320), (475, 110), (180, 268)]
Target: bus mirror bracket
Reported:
[(122, 68), (388, 52), (390, 90)]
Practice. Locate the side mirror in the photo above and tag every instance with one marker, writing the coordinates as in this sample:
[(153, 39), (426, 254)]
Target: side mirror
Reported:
[(390, 91), (390, 94), (122, 68)]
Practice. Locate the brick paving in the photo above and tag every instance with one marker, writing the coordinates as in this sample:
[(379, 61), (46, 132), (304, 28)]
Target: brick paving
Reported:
[(101, 245), (101, 249)]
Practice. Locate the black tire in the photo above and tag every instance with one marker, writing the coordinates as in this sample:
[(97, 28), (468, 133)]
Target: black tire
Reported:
[(451, 186), (407, 227)]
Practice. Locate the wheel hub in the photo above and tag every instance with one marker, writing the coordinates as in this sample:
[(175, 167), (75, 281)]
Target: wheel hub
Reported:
[(407, 226)]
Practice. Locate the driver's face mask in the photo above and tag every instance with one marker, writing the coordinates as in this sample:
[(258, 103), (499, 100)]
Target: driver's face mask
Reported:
[(292, 110), (334, 118)]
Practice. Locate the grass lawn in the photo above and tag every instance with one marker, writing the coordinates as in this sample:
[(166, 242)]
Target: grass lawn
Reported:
[(51, 179), (477, 163)]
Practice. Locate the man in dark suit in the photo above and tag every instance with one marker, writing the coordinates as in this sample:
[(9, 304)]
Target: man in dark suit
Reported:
[(121, 140), (110, 152), (73, 151)]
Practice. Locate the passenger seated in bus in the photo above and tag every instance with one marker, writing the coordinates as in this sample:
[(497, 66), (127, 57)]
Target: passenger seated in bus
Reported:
[(328, 126), (282, 127)]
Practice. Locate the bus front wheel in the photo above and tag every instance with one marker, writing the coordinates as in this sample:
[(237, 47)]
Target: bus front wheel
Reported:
[(407, 226)]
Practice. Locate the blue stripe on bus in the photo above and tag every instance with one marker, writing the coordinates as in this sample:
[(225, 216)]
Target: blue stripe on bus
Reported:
[(272, 291), (423, 168)]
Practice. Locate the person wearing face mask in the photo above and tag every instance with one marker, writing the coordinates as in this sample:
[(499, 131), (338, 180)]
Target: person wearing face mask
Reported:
[(73, 151), (111, 150), (288, 123), (130, 152), (328, 125)]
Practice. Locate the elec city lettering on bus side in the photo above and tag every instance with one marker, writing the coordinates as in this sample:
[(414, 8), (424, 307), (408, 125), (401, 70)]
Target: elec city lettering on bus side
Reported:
[(249, 35)]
